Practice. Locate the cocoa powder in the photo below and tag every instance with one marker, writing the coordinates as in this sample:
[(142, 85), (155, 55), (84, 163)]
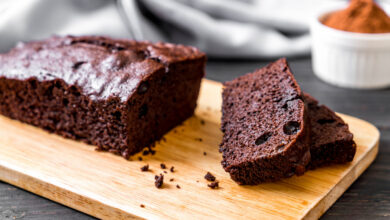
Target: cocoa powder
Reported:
[(361, 16)]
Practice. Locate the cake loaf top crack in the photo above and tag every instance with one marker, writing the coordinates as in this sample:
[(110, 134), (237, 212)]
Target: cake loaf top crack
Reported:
[(102, 67)]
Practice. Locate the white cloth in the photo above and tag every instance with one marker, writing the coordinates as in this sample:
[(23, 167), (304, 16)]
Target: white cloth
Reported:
[(221, 28)]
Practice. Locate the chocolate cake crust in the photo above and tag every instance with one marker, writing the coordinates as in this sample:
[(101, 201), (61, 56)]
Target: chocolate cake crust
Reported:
[(265, 126), (119, 95)]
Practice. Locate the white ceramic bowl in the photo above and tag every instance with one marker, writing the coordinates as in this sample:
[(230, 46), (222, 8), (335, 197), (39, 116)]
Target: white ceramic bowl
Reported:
[(350, 59)]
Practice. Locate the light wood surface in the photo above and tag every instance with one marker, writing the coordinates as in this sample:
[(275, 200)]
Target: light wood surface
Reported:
[(107, 186)]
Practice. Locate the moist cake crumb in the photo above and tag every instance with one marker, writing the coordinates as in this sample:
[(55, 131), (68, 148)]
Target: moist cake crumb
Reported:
[(210, 177), (145, 168), (159, 180), (213, 185)]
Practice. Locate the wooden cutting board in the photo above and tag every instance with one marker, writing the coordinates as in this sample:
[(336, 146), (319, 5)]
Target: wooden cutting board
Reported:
[(109, 187)]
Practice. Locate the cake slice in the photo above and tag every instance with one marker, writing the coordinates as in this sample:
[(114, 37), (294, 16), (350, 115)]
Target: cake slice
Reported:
[(265, 126), (120, 95), (331, 140)]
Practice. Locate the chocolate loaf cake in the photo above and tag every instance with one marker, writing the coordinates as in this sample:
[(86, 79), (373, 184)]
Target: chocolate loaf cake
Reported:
[(331, 140), (119, 95), (265, 126)]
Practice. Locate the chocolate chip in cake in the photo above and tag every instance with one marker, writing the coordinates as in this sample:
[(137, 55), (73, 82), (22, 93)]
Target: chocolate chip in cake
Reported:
[(171, 180), (77, 65), (163, 166), (143, 88), (165, 171), (177, 186), (291, 127), (205, 153), (172, 169), (140, 158), (263, 138), (145, 168), (213, 185), (142, 206), (159, 180), (199, 139), (209, 177), (202, 122)]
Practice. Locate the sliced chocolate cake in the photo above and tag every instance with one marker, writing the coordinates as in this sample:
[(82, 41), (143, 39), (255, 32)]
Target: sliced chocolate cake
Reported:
[(265, 126), (331, 140), (119, 95)]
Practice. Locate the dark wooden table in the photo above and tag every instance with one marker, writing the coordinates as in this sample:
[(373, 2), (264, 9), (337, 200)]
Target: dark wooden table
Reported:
[(367, 198)]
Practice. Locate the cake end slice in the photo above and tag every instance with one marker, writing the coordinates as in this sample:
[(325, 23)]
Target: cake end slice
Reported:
[(331, 140)]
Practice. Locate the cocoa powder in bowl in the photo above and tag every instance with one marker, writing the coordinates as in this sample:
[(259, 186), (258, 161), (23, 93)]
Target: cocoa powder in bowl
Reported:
[(361, 16)]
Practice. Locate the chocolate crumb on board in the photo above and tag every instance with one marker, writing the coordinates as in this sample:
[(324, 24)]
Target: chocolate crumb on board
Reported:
[(163, 166), (172, 169), (205, 153), (202, 122), (171, 179), (146, 152), (177, 186), (140, 158), (199, 139), (209, 177), (142, 206), (145, 168), (159, 180), (213, 185)]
